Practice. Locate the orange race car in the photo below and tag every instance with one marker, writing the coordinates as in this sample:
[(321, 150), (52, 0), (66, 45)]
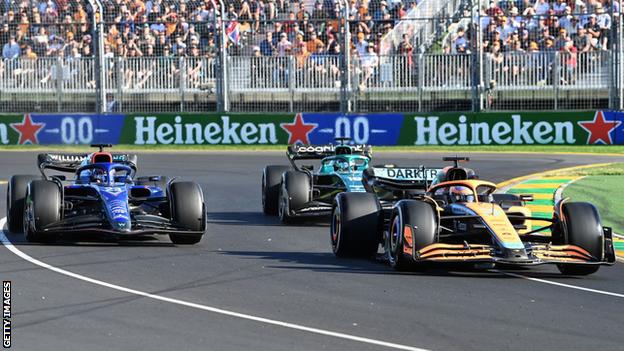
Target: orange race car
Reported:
[(463, 220)]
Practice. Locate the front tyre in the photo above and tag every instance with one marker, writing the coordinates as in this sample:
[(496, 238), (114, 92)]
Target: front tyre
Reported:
[(16, 195), (582, 228), (42, 208), (294, 194), (413, 226), (187, 211), (355, 222), (271, 181)]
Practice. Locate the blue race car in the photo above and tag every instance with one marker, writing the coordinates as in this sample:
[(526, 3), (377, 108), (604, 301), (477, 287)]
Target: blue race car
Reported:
[(104, 197), (295, 191)]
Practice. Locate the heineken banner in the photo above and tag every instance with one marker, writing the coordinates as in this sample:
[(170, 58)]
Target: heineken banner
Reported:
[(508, 128)]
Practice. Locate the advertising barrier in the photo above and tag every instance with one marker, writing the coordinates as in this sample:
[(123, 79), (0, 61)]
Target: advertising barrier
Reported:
[(526, 128)]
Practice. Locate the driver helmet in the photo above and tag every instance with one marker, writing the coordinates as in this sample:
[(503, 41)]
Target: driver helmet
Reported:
[(461, 194), (98, 175), (342, 165)]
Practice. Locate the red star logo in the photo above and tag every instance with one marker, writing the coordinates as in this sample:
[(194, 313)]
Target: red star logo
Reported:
[(599, 129), (27, 130), (298, 130)]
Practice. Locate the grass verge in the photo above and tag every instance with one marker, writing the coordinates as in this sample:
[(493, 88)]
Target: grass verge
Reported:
[(613, 169), (604, 191), (550, 149)]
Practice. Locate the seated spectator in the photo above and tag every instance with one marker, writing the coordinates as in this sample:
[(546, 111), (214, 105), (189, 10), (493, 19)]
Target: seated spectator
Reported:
[(604, 23), (594, 30), (582, 40), (361, 46)]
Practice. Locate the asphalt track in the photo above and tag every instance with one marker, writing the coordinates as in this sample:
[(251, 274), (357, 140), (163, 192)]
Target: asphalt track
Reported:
[(251, 264)]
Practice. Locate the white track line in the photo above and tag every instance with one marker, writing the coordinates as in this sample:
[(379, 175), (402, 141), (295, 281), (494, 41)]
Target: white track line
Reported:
[(561, 284), (7, 243)]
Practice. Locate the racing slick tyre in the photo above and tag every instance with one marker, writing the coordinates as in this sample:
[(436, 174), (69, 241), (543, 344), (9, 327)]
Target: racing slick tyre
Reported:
[(187, 210), (43, 207), (294, 194), (16, 194), (355, 225), (582, 228), (413, 226), (271, 181)]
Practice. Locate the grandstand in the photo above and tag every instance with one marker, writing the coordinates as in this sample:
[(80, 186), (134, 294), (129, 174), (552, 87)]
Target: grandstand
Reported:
[(309, 55)]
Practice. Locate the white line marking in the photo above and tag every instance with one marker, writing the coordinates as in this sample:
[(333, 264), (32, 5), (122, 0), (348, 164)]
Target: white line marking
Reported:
[(561, 284), (7, 243)]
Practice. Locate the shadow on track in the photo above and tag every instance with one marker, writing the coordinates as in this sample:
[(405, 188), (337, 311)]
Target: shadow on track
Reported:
[(328, 263), (17, 239), (260, 219)]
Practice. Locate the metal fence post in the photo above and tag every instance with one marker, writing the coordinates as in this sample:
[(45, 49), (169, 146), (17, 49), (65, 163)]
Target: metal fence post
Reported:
[(556, 77), (183, 75), (291, 83), (59, 84), (98, 37), (421, 80), (345, 96), (119, 82)]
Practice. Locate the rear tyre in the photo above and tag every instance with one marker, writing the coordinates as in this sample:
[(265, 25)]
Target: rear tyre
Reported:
[(187, 211), (414, 224), (294, 194), (355, 222), (271, 181), (582, 228), (16, 194), (42, 208)]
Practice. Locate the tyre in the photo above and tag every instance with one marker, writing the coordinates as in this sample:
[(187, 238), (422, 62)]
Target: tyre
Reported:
[(581, 227), (271, 181), (187, 211), (294, 194), (16, 193), (43, 207), (355, 225), (422, 227)]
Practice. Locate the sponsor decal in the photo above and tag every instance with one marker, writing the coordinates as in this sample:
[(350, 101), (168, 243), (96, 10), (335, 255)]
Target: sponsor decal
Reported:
[(298, 130), (418, 174), (432, 131), (28, 131), (149, 130), (600, 129), (325, 149), (118, 210)]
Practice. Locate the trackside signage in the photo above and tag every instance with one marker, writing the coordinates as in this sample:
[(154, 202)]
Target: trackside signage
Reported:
[(508, 128), (432, 130)]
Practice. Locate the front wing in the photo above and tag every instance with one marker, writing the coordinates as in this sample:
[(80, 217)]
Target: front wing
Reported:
[(534, 254), (141, 225)]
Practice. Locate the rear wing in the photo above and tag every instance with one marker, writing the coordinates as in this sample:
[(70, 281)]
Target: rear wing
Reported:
[(70, 162), (317, 152), (400, 178)]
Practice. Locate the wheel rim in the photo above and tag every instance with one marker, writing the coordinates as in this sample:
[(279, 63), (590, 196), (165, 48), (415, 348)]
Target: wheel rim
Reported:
[(336, 228), (394, 240), (283, 206), (263, 191)]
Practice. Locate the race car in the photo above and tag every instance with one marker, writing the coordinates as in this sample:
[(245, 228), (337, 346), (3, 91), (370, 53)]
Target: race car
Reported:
[(295, 191), (104, 197), (461, 220)]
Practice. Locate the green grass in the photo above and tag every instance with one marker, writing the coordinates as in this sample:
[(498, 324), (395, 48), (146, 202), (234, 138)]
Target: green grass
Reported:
[(613, 169), (604, 191), (590, 149)]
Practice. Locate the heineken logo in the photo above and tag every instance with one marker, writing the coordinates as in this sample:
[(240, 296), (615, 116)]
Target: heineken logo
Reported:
[(150, 131), (430, 131)]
